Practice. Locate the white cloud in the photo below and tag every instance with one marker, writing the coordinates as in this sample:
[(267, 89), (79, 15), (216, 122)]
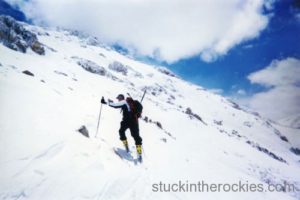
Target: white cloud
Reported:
[(216, 90), (279, 73), (241, 92), (297, 16), (165, 29), (269, 4), (282, 98), (277, 103)]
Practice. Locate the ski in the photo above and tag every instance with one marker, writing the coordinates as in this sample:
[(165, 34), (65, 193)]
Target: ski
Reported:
[(127, 157)]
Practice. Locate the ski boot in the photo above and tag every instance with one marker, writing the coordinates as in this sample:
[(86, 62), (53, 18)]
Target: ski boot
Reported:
[(139, 152), (125, 143)]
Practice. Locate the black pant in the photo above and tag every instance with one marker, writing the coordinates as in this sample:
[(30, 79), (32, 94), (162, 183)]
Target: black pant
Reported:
[(134, 130)]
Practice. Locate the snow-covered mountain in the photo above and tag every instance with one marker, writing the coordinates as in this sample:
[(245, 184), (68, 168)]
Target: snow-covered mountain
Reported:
[(51, 85)]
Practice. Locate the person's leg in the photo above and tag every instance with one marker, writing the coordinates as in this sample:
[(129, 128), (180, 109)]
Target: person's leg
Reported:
[(122, 130), (134, 130), (135, 133), (122, 134)]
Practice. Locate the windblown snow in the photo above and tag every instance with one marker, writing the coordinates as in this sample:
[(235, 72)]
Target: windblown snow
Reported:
[(189, 134)]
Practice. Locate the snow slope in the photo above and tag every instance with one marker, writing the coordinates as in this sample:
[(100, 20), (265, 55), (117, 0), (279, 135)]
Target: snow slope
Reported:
[(43, 156)]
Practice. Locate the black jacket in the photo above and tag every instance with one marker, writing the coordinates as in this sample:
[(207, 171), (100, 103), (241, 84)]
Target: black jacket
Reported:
[(127, 115)]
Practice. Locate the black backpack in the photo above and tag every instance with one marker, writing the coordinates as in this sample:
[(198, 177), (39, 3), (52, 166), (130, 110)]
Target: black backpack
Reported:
[(135, 106)]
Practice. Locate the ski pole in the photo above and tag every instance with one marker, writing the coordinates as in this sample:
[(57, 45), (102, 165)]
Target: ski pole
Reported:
[(98, 120), (144, 94)]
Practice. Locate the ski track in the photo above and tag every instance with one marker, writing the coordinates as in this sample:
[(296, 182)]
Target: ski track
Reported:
[(44, 156)]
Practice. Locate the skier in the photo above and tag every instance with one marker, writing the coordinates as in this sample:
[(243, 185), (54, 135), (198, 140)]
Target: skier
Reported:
[(130, 120)]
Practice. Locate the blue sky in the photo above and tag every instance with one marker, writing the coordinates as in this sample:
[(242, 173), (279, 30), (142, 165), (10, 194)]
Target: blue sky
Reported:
[(281, 39), (6, 9), (246, 50)]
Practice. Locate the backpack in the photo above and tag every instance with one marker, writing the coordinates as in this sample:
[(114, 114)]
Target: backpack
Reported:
[(135, 106)]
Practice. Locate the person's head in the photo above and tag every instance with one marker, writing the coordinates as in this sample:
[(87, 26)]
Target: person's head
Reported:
[(120, 97)]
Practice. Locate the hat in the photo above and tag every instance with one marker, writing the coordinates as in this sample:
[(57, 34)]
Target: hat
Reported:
[(120, 96)]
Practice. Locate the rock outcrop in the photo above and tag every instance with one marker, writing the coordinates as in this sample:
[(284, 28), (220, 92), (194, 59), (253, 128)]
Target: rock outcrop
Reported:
[(14, 36)]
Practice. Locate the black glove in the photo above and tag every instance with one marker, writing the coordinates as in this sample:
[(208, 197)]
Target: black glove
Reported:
[(110, 101), (103, 101)]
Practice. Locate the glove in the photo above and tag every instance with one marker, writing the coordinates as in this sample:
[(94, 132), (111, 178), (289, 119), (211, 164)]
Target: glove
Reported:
[(103, 101), (110, 101)]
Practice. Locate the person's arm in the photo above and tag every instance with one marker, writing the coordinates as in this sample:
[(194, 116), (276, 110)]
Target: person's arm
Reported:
[(117, 105)]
